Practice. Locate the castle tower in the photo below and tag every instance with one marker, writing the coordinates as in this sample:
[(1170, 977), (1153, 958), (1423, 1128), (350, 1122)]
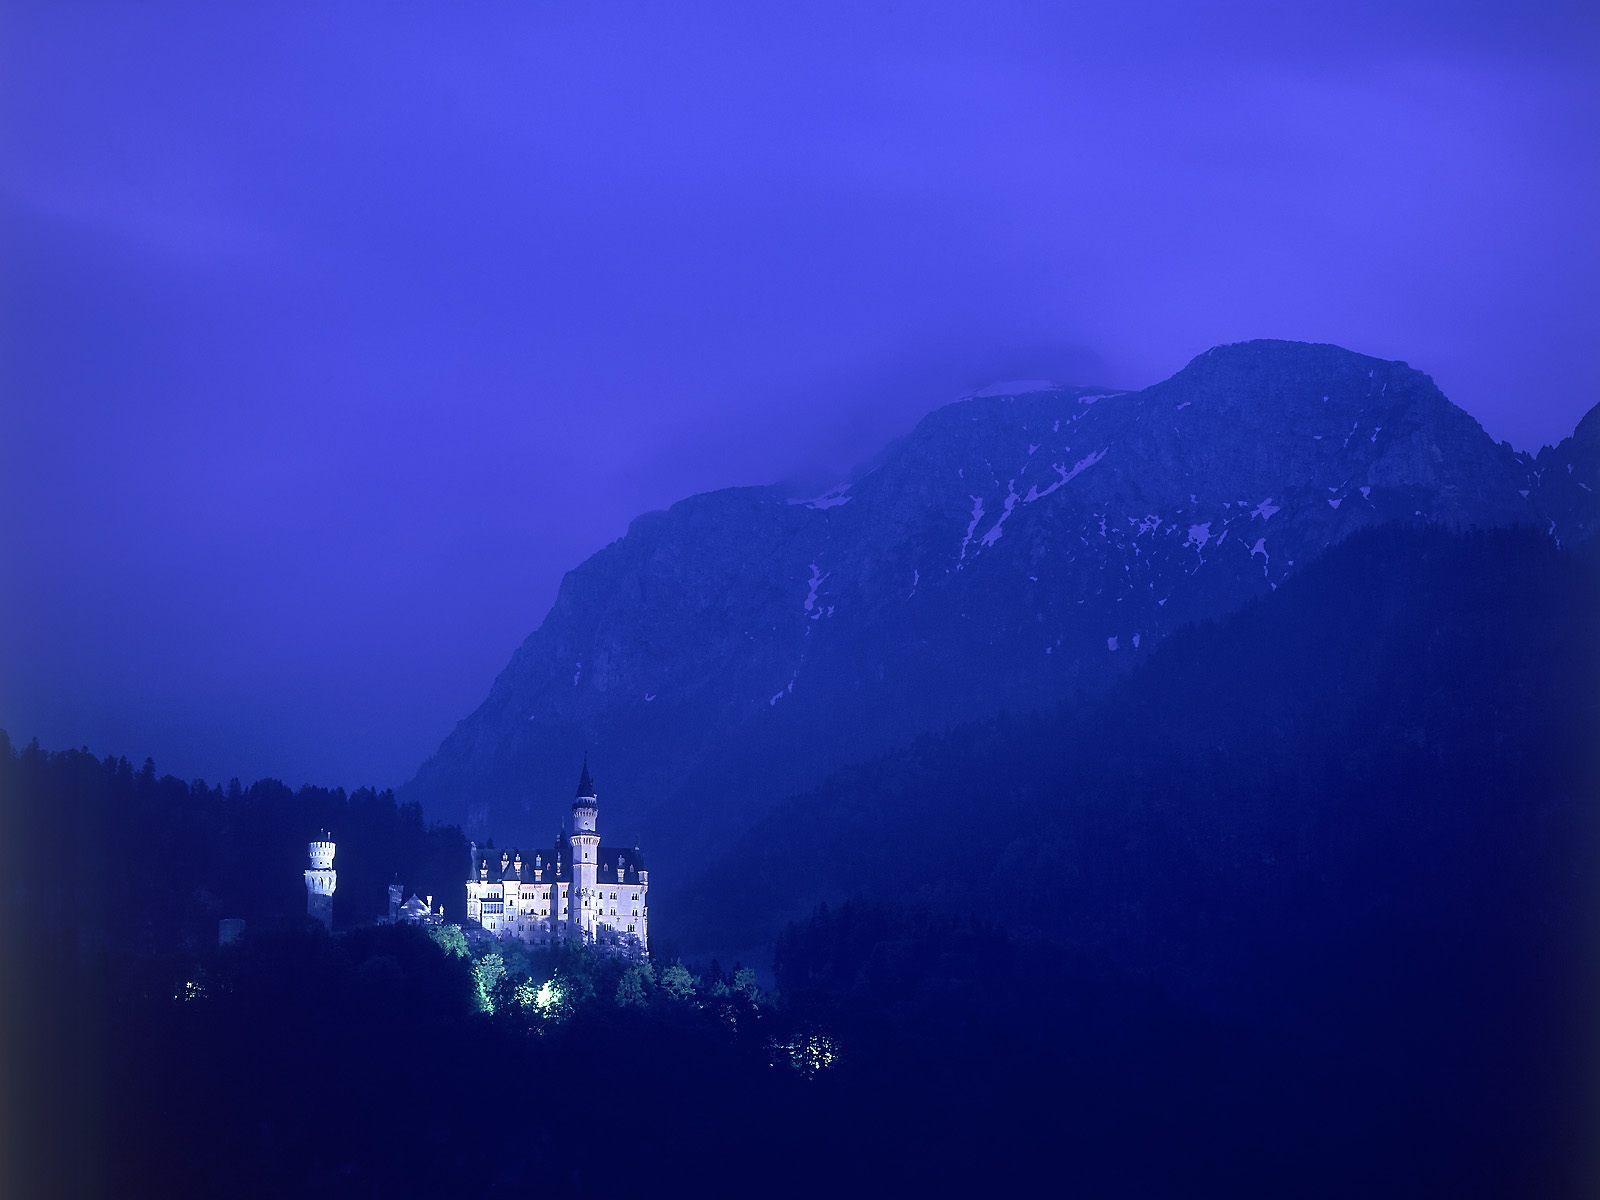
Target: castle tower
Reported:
[(396, 898), (585, 855), (321, 879)]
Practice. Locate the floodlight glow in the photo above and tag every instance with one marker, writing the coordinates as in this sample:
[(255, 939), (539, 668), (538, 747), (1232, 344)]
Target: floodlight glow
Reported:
[(547, 997)]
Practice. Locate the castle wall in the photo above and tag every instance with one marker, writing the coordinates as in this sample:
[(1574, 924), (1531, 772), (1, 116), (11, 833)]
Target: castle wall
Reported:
[(523, 910)]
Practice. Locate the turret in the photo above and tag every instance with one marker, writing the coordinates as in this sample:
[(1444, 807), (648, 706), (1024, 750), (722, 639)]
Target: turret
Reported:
[(586, 808), (321, 880), (396, 899), (585, 853)]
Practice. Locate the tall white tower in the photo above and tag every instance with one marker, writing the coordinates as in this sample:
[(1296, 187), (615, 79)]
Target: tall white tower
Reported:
[(585, 855), (321, 880)]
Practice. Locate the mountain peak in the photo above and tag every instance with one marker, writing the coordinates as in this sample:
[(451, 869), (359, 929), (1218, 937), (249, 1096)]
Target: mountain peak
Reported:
[(1588, 431), (1310, 390), (1289, 361), (1029, 541)]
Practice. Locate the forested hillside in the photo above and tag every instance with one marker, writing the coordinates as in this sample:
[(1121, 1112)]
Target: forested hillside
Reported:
[(122, 860)]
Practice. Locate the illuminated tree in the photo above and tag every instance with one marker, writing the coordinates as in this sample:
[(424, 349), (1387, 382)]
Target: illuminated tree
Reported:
[(635, 986), (450, 939), (677, 983), (745, 984), (488, 973), (548, 1001)]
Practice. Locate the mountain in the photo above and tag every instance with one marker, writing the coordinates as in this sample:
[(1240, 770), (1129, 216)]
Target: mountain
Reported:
[(1022, 546), (1566, 482), (1354, 824), (1403, 732)]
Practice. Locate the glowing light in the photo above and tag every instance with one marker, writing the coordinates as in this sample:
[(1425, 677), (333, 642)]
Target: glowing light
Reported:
[(547, 998), (543, 1000), (808, 1055)]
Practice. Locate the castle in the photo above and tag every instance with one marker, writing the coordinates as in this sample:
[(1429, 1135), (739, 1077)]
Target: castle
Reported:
[(576, 890), (321, 880), (411, 912)]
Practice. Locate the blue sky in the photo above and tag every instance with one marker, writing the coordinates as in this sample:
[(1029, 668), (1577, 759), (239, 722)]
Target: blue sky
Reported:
[(333, 335)]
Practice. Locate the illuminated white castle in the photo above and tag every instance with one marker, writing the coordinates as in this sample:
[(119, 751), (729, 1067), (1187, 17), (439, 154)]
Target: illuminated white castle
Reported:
[(575, 889), (321, 880)]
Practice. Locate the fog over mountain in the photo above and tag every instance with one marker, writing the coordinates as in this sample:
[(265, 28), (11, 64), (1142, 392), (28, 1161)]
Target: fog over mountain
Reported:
[(1021, 547)]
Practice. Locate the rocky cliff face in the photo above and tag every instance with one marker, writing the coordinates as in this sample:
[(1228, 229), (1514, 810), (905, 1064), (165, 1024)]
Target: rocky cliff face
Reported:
[(1018, 547), (1565, 483)]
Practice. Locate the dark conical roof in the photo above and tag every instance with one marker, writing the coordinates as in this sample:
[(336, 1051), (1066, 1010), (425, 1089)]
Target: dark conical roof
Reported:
[(585, 784)]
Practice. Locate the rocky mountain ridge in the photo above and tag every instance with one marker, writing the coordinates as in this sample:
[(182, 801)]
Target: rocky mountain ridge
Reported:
[(1014, 549)]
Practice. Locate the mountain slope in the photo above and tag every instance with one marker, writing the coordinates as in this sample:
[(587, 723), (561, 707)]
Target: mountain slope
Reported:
[(1566, 482), (1412, 711), (1012, 550), (1355, 824)]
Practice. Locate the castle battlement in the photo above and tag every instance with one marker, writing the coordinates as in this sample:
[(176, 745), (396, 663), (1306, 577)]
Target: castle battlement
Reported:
[(321, 880)]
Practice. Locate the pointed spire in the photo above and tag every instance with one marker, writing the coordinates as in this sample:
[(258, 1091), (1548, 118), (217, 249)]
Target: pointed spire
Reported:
[(585, 784)]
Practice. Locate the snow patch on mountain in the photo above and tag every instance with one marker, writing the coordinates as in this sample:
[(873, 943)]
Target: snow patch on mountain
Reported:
[(813, 585), (977, 515), (1065, 476), (998, 528), (831, 498)]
